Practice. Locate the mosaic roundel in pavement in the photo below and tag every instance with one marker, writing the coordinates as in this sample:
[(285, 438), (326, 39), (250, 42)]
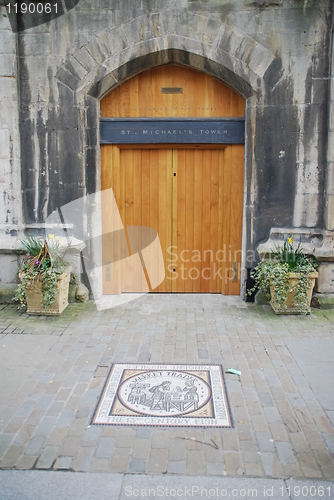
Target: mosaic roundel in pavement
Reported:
[(164, 393)]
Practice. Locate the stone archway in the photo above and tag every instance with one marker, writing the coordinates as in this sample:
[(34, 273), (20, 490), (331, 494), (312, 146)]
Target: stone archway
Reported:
[(195, 41)]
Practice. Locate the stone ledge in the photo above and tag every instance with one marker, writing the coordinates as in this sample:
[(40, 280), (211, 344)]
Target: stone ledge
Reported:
[(316, 242), (323, 301)]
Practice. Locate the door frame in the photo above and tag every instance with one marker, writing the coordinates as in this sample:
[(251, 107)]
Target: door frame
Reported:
[(154, 141)]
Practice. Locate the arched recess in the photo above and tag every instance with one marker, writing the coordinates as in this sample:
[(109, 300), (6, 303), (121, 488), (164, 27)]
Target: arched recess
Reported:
[(196, 41), (189, 192)]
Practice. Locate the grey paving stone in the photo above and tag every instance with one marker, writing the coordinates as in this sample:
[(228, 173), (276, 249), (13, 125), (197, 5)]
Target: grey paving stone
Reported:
[(265, 441), (143, 432), (5, 440), (137, 466), (92, 433), (105, 448), (285, 452), (330, 415), (295, 400), (45, 401), (24, 410), (266, 399), (35, 445), (215, 469), (273, 381), (307, 394), (46, 426), (175, 467), (66, 418), (329, 438), (47, 458), (203, 353), (91, 395), (63, 463)]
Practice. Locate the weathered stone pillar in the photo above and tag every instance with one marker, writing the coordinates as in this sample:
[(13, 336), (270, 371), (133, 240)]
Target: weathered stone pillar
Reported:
[(329, 190), (10, 168)]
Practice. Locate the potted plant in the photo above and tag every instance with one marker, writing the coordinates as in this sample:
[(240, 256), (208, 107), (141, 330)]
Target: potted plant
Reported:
[(290, 276), (44, 276)]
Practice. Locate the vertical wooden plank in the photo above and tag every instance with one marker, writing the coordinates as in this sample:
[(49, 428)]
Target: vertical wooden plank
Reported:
[(107, 223), (206, 203), (154, 198), (162, 202), (116, 277), (181, 217), (220, 255), (127, 171), (137, 212), (174, 219), (145, 183), (226, 268), (214, 222), (196, 254), (133, 97), (189, 219), (169, 219), (237, 165)]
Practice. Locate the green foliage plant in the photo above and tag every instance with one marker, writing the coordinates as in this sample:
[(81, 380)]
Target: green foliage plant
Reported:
[(275, 273), (40, 269)]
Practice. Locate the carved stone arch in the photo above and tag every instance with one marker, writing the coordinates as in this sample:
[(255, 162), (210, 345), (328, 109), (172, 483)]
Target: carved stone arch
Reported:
[(196, 41)]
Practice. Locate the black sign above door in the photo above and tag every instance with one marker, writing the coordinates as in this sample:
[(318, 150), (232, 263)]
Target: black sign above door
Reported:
[(172, 131)]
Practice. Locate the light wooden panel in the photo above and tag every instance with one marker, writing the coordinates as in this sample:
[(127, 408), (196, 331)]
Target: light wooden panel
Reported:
[(141, 180), (194, 200), (202, 96)]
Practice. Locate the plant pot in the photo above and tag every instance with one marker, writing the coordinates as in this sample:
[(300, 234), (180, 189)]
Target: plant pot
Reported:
[(35, 297), (291, 307)]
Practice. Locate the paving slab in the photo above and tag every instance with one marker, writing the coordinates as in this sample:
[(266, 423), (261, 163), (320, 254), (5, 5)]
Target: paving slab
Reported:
[(40, 485), (315, 360)]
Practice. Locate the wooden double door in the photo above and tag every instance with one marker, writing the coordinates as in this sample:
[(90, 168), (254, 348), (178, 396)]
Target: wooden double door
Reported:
[(192, 198)]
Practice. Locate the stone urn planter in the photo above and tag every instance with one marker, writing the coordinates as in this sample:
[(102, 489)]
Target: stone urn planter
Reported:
[(291, 306), (35, 298)]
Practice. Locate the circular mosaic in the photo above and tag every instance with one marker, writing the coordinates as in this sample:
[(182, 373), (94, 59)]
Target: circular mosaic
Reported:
[(164, 393)]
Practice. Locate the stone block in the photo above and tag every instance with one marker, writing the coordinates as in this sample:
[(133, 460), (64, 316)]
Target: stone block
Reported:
[(8, 271), (7, 293), (323, 300), (37, 44), (325, 282), (67, 78), (97, 50), (4, 144), (7, 65), (85, 59)]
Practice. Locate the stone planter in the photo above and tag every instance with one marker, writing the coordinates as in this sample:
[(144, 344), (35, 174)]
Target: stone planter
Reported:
[(291, 307), (35, 297)]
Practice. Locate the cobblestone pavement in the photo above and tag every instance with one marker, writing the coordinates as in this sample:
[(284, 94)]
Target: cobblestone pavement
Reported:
[(52, 371)]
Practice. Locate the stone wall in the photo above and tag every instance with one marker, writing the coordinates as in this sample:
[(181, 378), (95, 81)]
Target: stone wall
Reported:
[(10, 166), (275, 53)]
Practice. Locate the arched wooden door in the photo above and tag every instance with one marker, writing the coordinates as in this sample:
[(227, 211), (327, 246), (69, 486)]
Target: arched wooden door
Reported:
[(192, 195)]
